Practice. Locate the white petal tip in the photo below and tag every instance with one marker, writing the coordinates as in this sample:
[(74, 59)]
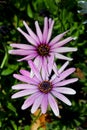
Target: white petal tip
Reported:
[(19, 60), (10, 51), (74, 38), (32, 111), (70, 59), (70, 104), (11, 45), (13, 97), (13, 87), (74, 49), (23, 107), (24, 22), (18, 29), (73, 92)]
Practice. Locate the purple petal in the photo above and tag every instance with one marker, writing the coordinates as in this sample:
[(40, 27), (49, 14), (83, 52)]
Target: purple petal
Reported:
[(37, 63), (50, 22), (24, 86), (60, 56), (63, 42), (63, 75), (44, 103), (38, 30), (25, 79), (65, 90), (24, 93), (53, 104), (66, 82), (57, 38), (61, 97), (37, 103), (40, 62), (28, 37), (45, 30), (32, 34), (67, 72), (50, 63), (50, 32), (35, 70), (31, 56), (21, 52), (30, 100), (25, 72), (64, 49), (22, 46), (63, 67), (43, 71), (53, 78), (55, 68)]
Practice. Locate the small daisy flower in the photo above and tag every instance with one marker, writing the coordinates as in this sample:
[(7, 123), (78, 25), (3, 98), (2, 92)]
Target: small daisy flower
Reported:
[(41, 48), (43, 90)]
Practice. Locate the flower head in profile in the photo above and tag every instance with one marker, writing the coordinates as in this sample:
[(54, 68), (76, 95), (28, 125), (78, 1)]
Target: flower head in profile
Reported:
[(42, 91), (41, 48)]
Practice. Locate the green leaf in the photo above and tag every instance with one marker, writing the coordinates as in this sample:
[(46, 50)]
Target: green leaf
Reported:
[(11, 107), (9, 70), (29, 11)]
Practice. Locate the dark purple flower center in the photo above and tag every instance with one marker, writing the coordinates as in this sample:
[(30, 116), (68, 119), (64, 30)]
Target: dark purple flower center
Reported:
[(43, 50), (45, 86)]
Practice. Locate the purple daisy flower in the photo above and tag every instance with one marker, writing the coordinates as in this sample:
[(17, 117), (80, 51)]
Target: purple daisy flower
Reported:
[(42, 49), (42, 90)]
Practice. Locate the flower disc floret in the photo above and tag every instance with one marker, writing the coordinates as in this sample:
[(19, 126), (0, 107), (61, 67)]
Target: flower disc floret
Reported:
[(43, 50), (45, 86)]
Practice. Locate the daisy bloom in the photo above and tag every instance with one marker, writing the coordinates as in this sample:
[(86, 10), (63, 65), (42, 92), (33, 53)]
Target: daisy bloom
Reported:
[(42, 90), (41, 48)]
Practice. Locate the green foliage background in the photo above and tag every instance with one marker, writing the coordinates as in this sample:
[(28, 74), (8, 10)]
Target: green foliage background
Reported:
[(66, 16)]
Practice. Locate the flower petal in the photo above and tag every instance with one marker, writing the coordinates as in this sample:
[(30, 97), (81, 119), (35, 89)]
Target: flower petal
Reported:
[(64, 49), (66, 82), (38, 30), (25, 79), (50, 22), (53, 104), (60, 56), (28, 37), (44, 103), (22, 46), (21, 52), (55, 69), (44, 68), (63, 42), (37, 63), (61, 97), (24, 93), (45, 30), (63, 75), (50, 32), (63, 67), (65, 90), (25, 72), (37, 103), (32, 34), (35, 70), (30, 100), (57, 38), (31, 56), (24, 86), (50, 63)]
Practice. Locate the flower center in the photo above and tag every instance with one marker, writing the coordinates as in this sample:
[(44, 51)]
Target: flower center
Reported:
[(45, 86), (43, 50)]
